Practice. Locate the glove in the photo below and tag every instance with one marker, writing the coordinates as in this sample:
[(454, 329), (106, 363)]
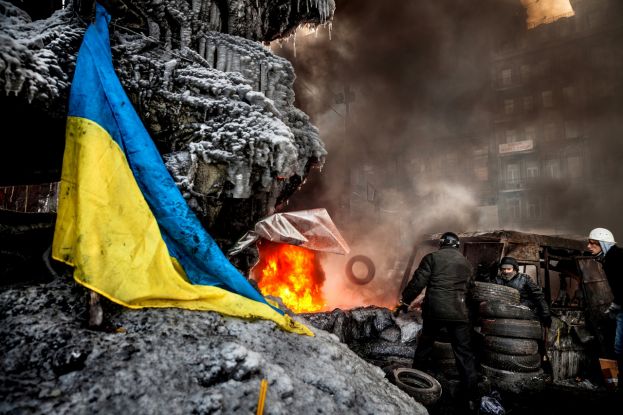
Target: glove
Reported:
[(612, 311), (402, 308), (546, 321)]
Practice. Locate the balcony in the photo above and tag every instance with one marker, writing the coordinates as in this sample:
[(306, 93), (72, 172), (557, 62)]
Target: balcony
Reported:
[(516, 147)]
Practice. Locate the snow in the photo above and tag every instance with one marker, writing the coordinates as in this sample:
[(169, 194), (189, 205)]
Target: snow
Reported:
[(170, 361), (219, 106)]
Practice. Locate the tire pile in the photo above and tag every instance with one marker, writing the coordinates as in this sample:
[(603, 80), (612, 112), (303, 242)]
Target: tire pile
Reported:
[(510, 357)]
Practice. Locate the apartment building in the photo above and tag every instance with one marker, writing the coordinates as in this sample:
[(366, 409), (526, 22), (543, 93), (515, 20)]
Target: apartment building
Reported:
[(556, 109)]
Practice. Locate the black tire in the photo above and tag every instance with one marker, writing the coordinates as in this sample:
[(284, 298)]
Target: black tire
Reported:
[(369, 264), (486, 291), (496, 309), (506, 327), (421, 386), (510, 345), (512, 362), (515, 382)]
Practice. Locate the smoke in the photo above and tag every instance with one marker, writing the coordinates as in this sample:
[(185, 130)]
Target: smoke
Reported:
[(402, 97)]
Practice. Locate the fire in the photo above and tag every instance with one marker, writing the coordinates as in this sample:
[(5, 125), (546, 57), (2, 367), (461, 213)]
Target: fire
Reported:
[(291, 273)]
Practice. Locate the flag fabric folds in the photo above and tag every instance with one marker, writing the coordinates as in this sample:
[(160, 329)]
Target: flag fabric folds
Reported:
[(122, 223)]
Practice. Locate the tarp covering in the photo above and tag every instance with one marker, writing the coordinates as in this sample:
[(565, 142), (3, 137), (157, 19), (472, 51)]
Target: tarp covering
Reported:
[(122, 223), (312, 229)]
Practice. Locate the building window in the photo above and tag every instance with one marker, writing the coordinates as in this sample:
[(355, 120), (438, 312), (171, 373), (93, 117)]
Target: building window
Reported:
[(506, 77), (514, 209), (530, 133), (511, 136), (532, 170), (548, 99), (549, 132), (528, 103), (509, 106), (571, 129), (525, 73), (574, 167), (552, 169), (512, 174), (480, 165)]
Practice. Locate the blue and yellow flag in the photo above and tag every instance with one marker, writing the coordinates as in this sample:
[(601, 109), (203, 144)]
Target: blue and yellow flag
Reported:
[(122, 223)]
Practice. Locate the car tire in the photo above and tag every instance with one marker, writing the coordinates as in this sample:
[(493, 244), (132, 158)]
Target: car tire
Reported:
[(514, 382), (486, 291), (507, 327), (511, 345), (496, 309), (417, 384), (512, 362), (369, 264)]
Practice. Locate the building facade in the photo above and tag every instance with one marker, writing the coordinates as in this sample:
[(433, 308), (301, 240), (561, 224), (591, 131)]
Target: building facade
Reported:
[(556, 104)]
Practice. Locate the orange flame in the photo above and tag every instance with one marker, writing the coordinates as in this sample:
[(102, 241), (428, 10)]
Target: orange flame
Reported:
[(291, 273)]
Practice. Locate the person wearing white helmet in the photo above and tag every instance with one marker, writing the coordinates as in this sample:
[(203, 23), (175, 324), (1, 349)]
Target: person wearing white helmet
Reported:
[(602, 245)]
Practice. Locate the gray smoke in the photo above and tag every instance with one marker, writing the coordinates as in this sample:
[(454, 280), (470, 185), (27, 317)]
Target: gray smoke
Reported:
[(420, 73)]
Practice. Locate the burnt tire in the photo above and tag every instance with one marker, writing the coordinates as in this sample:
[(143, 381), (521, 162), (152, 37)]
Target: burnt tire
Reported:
[(364, 260), (486, 291), (496, 309), (510, 345), (512, 362), (506, 327), (417, 384), (515, 382)]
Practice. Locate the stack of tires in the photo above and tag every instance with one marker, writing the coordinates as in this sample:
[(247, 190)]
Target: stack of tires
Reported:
[(510, 357)]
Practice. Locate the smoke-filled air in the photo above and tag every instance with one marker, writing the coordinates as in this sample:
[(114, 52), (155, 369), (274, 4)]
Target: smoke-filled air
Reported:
[(407, 99)]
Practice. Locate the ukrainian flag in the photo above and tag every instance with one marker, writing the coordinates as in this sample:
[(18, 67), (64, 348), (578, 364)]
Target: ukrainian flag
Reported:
[(122, 223)]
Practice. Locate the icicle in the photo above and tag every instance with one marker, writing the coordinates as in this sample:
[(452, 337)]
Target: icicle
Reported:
[(235, 65), (263, 77), (215, 17), (201, 49), (330, 29), (210, 49), (196, 6), (228, 60), (221, 58)]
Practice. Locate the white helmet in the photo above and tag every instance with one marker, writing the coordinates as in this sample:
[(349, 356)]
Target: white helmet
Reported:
[(601, 234)]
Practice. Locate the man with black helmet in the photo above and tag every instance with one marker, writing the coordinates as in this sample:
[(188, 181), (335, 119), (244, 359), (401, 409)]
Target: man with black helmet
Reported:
[(447, 276), (530, 293)]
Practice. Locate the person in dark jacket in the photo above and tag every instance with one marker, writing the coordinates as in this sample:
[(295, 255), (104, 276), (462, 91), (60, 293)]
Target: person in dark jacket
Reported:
[(530, 293), (602, 245), (447, 276)]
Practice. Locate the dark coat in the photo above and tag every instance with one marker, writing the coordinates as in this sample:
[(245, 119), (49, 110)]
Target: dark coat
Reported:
[(613, 267), (530, 293), (447, 276)]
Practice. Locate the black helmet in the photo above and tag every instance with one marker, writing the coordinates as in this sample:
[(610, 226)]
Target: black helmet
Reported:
[(449, 239), (509, 260)]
